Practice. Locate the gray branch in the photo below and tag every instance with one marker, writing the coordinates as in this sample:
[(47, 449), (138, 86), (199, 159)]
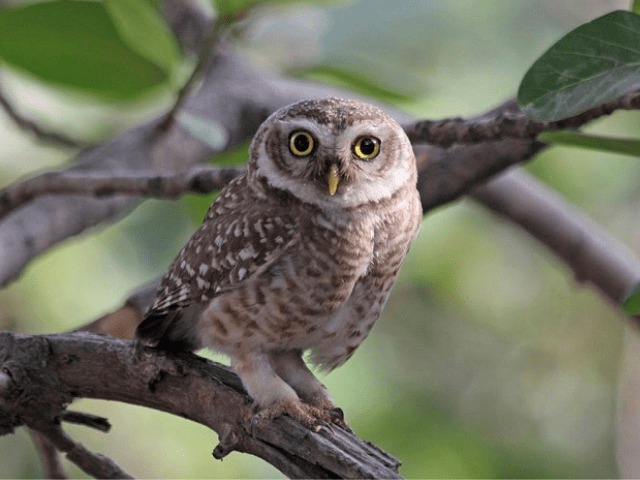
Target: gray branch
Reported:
[(198, 179), (506, 121), (593, 256)]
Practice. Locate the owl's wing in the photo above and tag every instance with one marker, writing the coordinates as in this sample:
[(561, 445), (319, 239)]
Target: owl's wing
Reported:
[(239, 237)]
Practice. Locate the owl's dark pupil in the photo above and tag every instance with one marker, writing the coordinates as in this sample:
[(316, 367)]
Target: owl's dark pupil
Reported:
[(301, 142), (367, 146)]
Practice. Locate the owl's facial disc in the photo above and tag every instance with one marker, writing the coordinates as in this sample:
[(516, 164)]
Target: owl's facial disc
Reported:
[(341, 155)]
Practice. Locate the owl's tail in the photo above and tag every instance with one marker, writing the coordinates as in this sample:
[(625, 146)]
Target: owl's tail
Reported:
[(174, 331)]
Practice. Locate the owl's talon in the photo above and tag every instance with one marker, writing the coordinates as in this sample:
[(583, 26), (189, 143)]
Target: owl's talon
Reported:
[(337, 418), (313, 418), (319, 425), (336, 413), (255, 421)]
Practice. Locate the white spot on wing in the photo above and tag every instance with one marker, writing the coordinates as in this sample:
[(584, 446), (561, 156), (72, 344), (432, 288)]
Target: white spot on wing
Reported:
[(247, 253), (258, 227), (242, 272), (190, 270)]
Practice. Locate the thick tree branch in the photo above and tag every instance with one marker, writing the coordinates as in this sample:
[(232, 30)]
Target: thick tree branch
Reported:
[(593, 255), (445, 175), (42, 374)]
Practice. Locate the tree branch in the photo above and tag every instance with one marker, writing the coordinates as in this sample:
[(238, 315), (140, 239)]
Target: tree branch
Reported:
[(508, 138), (94, 464), (216, 30), (198, 179), (86, 419), (44, 373), (49, 455), (506, 121), (594, 256)]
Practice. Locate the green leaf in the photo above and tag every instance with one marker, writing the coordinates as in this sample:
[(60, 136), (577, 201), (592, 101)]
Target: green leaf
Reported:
[(595, 142), (631, 304), (635, 7), (142, 28), (75, 44), (237, 8), (343, 77), (233, 8), (595, 63)]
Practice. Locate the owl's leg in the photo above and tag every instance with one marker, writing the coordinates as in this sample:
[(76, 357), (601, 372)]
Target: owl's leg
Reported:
[(261, 381), (290, 366), (272, 395)]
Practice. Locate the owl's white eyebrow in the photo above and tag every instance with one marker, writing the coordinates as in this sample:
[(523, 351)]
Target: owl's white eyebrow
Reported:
[(301, 124)]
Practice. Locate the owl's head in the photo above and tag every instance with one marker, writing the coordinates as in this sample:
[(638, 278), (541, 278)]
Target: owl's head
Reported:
[(332, 153)]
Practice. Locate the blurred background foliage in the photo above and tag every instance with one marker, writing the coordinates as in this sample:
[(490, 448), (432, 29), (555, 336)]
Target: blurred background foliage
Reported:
[(489, 360)]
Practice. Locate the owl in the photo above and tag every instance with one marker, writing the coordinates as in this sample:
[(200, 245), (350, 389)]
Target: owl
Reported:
[(297, 255)]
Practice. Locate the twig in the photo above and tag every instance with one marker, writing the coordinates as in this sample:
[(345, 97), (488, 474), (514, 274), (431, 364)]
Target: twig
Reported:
[(41, 133), (49, 455), (508, 121), (200, 179), (86, 419), (204, 56), (94, 464)]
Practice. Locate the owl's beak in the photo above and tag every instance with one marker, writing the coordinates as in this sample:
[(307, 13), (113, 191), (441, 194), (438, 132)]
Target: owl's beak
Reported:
[(333, 178)]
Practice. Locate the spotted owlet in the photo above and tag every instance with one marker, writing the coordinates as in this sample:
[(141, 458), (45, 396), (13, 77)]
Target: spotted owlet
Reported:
[(298, 254)]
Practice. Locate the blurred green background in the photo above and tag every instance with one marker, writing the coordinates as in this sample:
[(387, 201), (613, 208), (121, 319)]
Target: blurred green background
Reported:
[(489, 360)]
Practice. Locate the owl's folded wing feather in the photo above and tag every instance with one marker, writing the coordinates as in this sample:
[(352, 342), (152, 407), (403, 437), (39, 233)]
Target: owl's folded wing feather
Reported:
[(235, 242)]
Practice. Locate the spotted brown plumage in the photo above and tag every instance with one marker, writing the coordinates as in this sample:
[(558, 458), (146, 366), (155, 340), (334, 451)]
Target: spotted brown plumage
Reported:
[(299, 254)]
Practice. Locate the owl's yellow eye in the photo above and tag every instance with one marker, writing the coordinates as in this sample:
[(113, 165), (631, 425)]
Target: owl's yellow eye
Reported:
[(301, 143), (366, 148)]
